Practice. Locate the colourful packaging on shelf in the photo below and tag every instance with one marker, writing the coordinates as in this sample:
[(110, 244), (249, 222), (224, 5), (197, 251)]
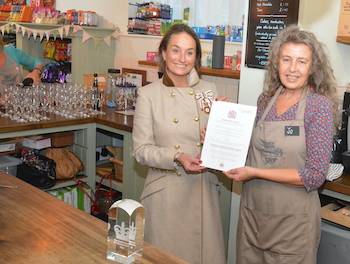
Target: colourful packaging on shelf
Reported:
[(228, 62)]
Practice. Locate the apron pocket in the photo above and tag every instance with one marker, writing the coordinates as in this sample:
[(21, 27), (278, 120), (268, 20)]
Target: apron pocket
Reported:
[(286, 234)]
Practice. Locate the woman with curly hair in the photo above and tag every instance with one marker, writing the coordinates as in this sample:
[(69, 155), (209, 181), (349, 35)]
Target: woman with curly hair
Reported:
[(289, 155)]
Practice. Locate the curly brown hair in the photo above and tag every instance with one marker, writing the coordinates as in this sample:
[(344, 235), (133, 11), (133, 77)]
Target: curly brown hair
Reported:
[(177, 29), (321, 80)]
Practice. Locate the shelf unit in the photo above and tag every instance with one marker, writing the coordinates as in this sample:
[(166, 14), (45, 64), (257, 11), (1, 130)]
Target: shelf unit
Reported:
[(83, 142), (344, 40), (226, 73), (86, 57)]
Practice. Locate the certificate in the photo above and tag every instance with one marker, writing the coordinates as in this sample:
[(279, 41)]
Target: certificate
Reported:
[(228, 135)]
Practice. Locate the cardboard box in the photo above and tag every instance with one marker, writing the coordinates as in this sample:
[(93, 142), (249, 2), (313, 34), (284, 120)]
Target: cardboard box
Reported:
[(56, 193), (74, 195), (331, 213), (102, 80), (344, 19), (37, 142), (61, 139), (67, 197), (7, 146), (84, 202)]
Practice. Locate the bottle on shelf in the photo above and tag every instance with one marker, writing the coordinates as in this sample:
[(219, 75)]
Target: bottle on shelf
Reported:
[(96, 95)]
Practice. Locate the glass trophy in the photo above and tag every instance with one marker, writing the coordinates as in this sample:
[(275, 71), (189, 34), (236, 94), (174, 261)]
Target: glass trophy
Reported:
[(126, 220)]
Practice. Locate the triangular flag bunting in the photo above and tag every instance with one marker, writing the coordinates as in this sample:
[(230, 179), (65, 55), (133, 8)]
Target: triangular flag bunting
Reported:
[(108, 40), (29, 32), (41, 33), (60, 30), (97, 42), (86, 36), (67, 27), (47, 34), (7, 27), (54, 34), (76, 28), (35, 33), (23, 31)]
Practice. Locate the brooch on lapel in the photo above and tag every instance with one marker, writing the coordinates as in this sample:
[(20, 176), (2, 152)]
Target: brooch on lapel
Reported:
[(205, 100)]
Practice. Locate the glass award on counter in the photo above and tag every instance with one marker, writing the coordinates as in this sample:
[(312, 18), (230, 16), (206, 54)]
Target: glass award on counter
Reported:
[(126, 220)]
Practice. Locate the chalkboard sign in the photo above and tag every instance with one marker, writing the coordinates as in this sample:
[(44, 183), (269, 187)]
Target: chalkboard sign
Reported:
[(265, 18)]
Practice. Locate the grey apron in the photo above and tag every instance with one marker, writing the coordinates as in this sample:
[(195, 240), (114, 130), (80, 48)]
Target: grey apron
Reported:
[(278, 224), (10, 74)]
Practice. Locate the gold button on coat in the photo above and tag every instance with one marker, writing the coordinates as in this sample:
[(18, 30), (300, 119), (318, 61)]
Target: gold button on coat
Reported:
[(178, 174), (176, 120), (199, 144), (177, 146), (172, 95), (191, 93), (196, 119)]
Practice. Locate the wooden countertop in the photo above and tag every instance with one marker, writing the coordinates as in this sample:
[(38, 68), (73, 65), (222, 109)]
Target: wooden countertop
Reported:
[(111, 119), (36, 227), (340, 185), (125, 123)]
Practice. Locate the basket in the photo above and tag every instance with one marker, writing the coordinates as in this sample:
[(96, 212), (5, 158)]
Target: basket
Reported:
[(118, 169)]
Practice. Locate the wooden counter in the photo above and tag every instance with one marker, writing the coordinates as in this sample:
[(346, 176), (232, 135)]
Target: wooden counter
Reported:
[(36, 227), (112, 119), (340, 185)]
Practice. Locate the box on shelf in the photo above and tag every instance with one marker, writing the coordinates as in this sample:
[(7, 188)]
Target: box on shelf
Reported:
[(56, 193), (9, 164), (61, 139), (331, 212), (102, 80), (7, 145), (84, 202), (37, 142)]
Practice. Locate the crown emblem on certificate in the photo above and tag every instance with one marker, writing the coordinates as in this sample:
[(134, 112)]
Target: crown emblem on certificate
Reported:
[(205, 100)]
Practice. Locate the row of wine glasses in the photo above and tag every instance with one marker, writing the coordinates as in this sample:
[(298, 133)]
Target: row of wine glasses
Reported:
[(34, 103)]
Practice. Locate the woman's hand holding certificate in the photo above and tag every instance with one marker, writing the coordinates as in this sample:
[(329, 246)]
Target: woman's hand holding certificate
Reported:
[(227, 135)]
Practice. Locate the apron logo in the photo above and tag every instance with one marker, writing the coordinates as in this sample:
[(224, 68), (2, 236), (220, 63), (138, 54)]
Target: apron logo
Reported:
[(269, 153), (291, 130)]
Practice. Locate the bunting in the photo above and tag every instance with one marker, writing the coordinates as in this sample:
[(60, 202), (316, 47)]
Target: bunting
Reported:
[(60, 30)]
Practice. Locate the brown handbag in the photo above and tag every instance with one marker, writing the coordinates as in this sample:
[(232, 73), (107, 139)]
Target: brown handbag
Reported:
[(68, 162)]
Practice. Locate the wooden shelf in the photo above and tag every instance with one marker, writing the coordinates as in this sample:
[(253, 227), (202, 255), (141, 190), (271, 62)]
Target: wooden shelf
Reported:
[(204, 70), (342, 39)]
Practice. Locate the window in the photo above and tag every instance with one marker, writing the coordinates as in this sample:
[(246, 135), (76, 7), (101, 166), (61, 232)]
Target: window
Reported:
[(206, 12)]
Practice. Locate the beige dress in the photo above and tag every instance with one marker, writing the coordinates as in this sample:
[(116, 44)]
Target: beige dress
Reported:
[(182, 210), (278, 224)]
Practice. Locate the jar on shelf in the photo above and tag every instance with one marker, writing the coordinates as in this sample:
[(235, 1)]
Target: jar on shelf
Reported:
[(106, 199)]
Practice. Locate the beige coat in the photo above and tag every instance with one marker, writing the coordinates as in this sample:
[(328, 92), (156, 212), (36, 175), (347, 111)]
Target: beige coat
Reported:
[(182, 210)]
